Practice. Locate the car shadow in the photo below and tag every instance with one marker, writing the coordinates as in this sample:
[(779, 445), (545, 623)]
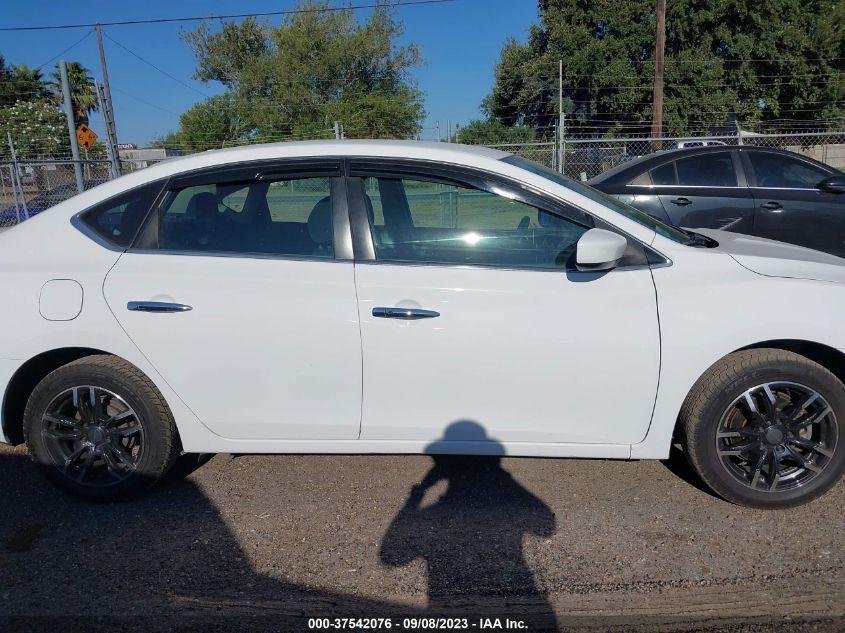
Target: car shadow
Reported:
[(679, 466), (170, 562)]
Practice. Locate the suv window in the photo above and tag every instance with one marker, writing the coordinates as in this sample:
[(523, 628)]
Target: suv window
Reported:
[(418, 220), (118, 219), (285, 217), (707, 170), (777, 170)]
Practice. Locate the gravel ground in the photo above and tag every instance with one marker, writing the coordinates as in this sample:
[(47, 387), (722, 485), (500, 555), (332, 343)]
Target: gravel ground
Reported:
[(260, 542)]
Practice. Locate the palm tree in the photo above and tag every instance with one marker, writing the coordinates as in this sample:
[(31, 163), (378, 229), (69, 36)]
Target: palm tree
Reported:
[(83, 95), (26, 83)]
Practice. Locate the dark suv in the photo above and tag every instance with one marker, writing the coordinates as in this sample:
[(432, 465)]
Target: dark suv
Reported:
[(758, 191)]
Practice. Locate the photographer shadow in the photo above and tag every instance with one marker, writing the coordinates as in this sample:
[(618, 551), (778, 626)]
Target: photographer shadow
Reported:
[(471, 537)]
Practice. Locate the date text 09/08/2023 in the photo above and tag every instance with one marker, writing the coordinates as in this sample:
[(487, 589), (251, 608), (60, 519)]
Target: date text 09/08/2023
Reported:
[(419, 624)]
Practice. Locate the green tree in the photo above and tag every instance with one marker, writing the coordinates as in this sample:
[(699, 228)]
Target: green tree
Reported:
[(211, 124), (171, 140), (38, 130), (83, 94), (294, 80), (492, 132), (764, 61), (20, 83)]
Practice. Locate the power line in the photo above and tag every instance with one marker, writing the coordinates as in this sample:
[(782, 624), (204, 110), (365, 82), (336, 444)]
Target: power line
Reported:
[(47, 27), (147, 103), (149, 63), (54, 58)]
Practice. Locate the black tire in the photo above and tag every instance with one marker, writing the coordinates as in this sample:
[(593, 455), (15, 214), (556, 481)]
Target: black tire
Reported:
[(720, 393), (83, 395)]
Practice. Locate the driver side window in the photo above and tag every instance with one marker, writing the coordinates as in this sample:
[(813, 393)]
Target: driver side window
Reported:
[(417, 220), (777, 170)]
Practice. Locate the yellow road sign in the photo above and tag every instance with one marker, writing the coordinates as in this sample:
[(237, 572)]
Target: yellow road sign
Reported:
[(86, 136)]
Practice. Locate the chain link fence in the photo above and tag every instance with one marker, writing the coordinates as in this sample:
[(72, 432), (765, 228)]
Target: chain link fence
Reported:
[(582, 158), (544, 153), (28, 187)]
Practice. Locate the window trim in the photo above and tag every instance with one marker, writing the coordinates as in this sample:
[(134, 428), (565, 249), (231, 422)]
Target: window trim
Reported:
[(252, 172), (461, 175)]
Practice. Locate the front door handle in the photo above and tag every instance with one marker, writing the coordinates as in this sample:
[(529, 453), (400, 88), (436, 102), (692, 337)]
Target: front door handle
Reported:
[(774, 206), (407, 314), (157, 306), (681, 201)]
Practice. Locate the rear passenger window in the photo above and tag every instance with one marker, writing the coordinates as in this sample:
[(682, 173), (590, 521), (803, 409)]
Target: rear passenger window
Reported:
[(118, 219), (285, 217), (707, 170)]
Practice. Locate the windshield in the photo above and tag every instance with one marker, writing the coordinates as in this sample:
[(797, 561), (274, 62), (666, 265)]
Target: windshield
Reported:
[(666, 230)]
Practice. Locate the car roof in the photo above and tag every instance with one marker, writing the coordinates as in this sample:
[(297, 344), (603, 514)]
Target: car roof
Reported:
[(473, 157), (343, 147), (623, 171), (447, 153)]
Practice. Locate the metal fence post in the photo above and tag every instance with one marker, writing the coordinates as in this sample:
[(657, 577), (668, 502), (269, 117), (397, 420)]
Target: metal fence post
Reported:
[(17, 185), (71, 128), (14, 193), (562, 160)]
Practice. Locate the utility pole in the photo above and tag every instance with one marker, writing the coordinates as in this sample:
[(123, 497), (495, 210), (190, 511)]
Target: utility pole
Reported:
[(437, 129), (337, 130), (111, 129), (561, 128), (657, 105), (449, 130), (71, 128)]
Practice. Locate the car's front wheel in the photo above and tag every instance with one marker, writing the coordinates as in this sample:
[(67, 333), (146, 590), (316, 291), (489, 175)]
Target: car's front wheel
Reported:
[(99, 429), (766, 428)]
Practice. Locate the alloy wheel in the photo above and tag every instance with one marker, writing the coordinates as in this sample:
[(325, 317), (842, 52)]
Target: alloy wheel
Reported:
[(777, 436), (93, 436)]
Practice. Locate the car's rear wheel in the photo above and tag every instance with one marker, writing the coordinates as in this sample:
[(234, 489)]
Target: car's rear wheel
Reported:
[(766, 428), (99, 429)]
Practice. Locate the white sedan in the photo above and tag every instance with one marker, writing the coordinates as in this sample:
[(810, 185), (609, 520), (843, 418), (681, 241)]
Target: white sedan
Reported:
[(405, 297)]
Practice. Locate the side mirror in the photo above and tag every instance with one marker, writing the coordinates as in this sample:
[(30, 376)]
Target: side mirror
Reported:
[(833, 184), (599, 249)]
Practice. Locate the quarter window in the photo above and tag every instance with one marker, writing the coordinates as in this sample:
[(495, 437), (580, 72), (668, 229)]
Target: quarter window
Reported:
[(707, 170), (664, 175), (118, 219), (643, 179), (286, 217), (777, 170), (436, 222)]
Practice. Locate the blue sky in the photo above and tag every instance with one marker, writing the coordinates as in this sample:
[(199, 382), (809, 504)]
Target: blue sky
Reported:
[(460, 42)]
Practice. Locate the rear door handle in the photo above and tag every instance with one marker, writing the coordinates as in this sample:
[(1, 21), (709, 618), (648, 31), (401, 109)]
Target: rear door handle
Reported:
[(772, 205), (407, 314), (157, 306), (681, 201)]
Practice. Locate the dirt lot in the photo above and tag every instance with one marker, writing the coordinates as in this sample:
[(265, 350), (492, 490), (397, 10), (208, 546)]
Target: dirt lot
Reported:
[(264, 542)]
